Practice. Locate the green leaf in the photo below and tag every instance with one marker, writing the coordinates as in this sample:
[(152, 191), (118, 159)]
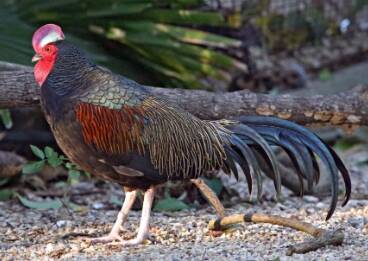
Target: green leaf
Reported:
[(119, 9), (40, 205), (87, 174), (170, 204), (144, 24), (73, 176), (54, 162), (37, 152), (33, 167), (183, 17), (69, 165), (215, 185), (325, 75), (60, 184), (3, 181), (346, 143), (115, 201), (6, 194), (76, 207), (50, 152), (188, 35), (53, 158), (6, 118)]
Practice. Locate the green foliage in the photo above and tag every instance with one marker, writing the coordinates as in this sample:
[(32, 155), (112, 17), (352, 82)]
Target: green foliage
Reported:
[(49, 156), (37, 152), (115, 201), (6, 118), (40, 205), (53, 158), (33, 167), (170, 204), (215, 184), (6, 194), (153, 42), (73, 175), (325, 75), (290, 30), (4, 181)]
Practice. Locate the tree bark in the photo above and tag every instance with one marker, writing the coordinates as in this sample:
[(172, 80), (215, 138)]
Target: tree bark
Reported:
[(347, 109)]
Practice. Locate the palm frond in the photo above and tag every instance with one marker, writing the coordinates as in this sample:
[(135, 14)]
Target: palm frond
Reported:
[(126, 35)]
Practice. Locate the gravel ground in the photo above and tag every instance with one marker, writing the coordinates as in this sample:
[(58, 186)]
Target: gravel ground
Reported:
[(27, 234)]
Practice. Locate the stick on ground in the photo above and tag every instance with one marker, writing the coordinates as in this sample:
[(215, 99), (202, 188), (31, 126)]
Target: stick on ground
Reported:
[(211, 197), (322, 237)]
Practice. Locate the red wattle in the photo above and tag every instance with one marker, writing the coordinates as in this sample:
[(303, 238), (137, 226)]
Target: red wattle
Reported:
[(42, 69)]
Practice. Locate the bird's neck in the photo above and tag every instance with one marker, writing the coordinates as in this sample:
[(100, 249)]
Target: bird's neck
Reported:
[(70, 71), (68, 79)]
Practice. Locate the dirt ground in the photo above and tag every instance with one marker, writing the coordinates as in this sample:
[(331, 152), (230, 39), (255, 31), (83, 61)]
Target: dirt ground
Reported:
[(35, 235), (27, 234)]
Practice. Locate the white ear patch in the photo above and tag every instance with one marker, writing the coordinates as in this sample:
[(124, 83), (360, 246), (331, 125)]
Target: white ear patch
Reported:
[(51, 38)]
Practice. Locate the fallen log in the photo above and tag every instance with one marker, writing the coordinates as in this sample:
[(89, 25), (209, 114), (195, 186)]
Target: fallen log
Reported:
[(346, 109)]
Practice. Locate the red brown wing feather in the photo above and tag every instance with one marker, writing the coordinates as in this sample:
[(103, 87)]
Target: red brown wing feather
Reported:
[(110, 130)]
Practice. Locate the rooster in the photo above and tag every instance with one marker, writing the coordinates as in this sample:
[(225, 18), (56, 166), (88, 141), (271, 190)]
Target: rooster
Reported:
[(117, 130)]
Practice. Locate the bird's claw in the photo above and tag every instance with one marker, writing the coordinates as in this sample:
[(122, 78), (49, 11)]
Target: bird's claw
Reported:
[(112, 237), (131, 242)]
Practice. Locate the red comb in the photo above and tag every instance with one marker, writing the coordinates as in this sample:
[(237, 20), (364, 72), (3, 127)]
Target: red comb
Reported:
[(45, 31)]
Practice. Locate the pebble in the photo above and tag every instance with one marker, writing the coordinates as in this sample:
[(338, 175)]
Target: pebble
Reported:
[(98, 205), (356, 222), (63, 223), (311, 199), (49, 248)]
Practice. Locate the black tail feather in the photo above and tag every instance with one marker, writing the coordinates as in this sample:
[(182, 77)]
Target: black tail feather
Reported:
[(246, 133), (303, 159), (251, 160), (345, 175), (317, 173), (243, 164), (229, 162), (300, 143)]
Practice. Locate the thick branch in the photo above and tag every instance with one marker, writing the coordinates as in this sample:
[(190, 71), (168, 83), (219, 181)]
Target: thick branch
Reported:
[(17, 88)]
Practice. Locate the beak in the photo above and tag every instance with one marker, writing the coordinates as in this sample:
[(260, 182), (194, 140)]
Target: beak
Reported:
[(36, 58)]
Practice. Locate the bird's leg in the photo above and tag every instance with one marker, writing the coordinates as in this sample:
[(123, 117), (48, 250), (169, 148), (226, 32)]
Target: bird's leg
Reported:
[(130, 197), (143, 230)]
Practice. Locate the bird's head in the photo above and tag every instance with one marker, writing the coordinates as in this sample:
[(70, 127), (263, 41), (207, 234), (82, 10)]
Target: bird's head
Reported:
[(44, 43)]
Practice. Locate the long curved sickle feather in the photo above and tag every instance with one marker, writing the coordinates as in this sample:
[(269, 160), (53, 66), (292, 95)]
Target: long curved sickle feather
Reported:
[(245, 131), (268, 125), (251, 160)]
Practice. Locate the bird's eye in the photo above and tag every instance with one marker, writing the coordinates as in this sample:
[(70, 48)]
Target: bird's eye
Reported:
[(48, 49)]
